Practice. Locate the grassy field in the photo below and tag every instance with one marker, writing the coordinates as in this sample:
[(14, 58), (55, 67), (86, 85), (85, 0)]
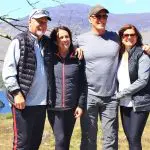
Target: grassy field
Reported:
[(48, 139)]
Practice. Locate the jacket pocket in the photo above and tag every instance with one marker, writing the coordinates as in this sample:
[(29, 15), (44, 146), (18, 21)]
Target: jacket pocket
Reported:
[(141, 103)]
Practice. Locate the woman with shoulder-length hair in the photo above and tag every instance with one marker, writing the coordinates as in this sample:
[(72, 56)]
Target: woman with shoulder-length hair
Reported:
[(70, 88), (134, 85)]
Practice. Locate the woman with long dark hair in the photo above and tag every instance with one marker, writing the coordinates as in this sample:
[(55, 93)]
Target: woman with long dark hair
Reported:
[(70, 88), (134, 85)]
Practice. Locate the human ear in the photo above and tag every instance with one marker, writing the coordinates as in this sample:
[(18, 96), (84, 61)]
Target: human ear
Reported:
[(90, 20)]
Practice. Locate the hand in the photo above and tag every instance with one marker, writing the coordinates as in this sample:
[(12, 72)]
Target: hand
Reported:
[(117, 96), (114, 97), (146, 48), (19, 101), (78, 112), (79, 53)]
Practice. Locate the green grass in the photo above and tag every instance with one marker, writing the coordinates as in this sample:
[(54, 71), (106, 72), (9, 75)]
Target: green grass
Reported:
[(5, 116), (48, 143)]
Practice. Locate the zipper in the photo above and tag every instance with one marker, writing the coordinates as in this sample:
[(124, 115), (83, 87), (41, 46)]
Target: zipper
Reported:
[(63, 83)]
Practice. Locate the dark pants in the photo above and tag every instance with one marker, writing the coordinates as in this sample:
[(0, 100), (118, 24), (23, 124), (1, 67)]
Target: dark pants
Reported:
[(133, 125), (28, 125), (62, 123)]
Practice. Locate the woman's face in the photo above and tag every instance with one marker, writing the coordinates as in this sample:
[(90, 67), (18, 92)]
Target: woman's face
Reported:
[(63, 40), (129, 38)]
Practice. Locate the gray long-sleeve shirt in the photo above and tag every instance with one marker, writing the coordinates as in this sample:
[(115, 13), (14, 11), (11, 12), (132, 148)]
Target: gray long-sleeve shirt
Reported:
[(38, 91), (101, 61)]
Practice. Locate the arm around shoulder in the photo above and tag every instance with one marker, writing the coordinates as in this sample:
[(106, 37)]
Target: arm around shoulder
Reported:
[(82, 86)]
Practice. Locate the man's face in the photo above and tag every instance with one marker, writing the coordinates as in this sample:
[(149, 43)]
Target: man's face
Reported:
[(98, 21), (38, 26)]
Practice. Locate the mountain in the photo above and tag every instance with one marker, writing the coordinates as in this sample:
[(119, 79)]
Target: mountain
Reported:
[(75, 16)]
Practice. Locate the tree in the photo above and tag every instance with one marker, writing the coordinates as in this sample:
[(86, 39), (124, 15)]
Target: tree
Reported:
[(14, 22)]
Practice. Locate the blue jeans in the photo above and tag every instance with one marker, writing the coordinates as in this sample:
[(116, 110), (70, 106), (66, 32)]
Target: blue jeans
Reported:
[(107, 109), (133, 124)]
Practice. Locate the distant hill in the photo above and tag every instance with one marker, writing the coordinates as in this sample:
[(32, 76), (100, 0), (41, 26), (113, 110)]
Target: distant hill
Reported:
[(75, 16)]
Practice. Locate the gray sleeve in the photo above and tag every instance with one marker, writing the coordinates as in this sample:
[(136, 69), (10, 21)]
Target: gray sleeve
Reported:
[(75, 42), (9, 72), (143, 76)]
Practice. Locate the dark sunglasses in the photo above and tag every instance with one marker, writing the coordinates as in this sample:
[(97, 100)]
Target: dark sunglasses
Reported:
[(100, 16), (127, 35)]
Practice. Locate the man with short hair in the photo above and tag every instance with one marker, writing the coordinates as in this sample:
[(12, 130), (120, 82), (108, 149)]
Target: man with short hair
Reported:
[(27, 74), (101, 51)]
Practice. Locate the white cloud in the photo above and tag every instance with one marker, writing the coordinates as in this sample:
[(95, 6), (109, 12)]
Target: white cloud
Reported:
[(130, 1)]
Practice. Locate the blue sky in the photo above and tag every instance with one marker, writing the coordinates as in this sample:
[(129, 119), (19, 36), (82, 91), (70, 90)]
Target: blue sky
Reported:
[(20, 8)]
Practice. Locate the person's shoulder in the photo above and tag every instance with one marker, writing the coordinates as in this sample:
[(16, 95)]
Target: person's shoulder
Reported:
[(46, 37), (144, 56), (112, 35), (139, 50), (20, 35)]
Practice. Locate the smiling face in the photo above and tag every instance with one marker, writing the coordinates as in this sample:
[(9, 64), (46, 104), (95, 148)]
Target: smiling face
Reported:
[(38, 26), (63, 41), (129, 38), (98, 22)]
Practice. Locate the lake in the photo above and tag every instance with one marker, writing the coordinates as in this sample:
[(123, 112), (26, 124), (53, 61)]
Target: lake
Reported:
[(3, 98)]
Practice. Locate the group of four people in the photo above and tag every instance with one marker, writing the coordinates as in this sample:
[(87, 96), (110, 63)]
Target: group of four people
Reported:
[(44, 74)]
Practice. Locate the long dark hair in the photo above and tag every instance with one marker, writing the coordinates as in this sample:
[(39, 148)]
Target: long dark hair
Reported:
[(123, 29), (53, 37)]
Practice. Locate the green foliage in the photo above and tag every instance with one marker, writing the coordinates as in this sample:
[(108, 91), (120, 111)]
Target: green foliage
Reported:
[(5, 116)]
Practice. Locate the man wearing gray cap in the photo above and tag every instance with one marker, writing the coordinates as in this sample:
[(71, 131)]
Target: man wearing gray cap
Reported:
[(101, 51), (27, 74)]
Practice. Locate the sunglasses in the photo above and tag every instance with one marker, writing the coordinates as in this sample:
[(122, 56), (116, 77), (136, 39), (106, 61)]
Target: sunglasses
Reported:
[(127, 35), (100, 16)]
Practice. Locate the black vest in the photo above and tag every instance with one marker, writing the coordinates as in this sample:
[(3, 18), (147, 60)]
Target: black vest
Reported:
[(134, 54), (27, 62)]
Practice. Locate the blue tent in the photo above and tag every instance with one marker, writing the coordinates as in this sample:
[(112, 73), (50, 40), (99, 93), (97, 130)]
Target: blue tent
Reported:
[(1, 104), (4, 104)]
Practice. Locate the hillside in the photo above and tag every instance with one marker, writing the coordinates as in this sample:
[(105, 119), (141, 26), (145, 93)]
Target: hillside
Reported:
[(75, 16)]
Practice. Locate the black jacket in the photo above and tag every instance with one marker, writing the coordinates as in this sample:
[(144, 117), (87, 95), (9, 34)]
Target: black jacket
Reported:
[(70, 88), (141, 99)]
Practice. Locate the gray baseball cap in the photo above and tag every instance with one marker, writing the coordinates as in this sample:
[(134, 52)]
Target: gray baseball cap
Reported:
[(96, 9), (39, 13)]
